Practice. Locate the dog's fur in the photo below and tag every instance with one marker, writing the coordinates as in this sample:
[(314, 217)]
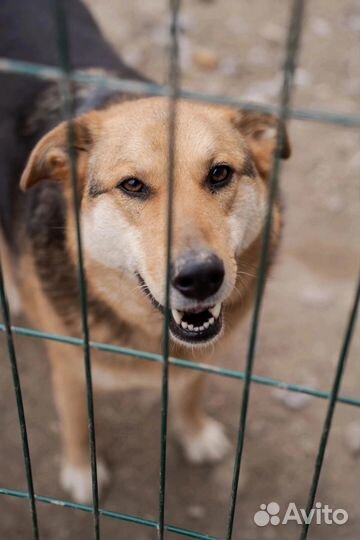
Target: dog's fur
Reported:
[(124, 237)]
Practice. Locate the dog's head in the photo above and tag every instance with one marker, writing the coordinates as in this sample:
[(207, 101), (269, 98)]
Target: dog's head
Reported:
[(221, 167)]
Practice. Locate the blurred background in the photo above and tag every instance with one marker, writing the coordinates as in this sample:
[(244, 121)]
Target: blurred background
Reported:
[(236, 49)]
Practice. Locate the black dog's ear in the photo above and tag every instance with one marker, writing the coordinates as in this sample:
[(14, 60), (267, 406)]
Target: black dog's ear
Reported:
[(260, 131), (50, 159)]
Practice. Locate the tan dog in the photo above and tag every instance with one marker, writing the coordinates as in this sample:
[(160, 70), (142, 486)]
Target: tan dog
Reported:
[(223, 159)]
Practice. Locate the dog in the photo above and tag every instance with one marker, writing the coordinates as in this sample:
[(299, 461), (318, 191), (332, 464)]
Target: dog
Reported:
[(223, 159)]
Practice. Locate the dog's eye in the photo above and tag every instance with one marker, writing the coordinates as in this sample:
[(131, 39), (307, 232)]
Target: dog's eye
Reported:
[(134, 186), (219, 176)]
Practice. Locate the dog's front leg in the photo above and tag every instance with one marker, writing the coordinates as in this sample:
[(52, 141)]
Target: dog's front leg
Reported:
[(70, 397), (202, 438)]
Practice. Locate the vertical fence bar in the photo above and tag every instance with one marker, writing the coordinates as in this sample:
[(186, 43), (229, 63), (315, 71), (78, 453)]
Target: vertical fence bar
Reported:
[(331, 408), (174, 92), (292, 47), (20, 405), (68, 109)]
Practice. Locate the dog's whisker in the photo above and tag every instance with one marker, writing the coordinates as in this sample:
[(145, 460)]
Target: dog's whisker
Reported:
[(237, 289), (142, 288), (245, 273)]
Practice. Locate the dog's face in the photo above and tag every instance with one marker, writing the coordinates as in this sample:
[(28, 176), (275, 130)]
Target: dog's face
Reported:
[(221, 164)]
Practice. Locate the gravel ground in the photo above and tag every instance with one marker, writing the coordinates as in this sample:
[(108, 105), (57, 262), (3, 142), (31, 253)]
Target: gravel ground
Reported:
[(236, 49)]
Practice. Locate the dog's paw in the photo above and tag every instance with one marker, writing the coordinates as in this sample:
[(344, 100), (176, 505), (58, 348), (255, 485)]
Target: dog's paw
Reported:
[(14, 300), (77, 481), (210, 444)]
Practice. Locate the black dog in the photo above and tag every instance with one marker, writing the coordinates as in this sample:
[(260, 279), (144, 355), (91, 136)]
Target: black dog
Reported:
[(29, 33)]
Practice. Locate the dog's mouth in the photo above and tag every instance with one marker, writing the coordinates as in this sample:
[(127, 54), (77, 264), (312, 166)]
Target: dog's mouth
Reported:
[(199, 325)]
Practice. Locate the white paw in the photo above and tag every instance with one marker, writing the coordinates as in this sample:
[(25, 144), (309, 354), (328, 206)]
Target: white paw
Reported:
[(14, 300), (77, 481), (210, 444)]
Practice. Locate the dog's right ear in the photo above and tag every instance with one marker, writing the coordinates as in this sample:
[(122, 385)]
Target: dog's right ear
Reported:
[(261, 133), (50, 159)]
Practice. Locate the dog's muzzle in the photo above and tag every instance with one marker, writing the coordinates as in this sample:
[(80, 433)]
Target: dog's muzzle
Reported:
[(196, 277)]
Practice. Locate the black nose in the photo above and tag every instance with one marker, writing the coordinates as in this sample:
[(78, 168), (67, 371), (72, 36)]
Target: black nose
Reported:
[(198, 274)]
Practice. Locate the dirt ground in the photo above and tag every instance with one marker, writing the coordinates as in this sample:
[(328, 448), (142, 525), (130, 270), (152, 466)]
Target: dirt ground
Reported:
[(233, 48)]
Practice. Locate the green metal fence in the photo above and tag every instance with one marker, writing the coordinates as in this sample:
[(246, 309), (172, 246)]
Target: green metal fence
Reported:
[(66, 76)]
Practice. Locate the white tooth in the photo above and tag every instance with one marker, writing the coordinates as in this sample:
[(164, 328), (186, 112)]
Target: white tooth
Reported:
[(196, 328), (184, 324), (177, 315), (211, 321), (216, 310), (201, 328), (206, 324), (190, 327)]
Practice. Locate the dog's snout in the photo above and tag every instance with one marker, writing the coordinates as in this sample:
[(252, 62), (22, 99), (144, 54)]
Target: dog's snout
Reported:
[(198, 275)]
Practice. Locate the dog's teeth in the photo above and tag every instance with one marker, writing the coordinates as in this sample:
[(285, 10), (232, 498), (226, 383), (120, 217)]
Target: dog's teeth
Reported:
[(201, 328), (177, 315), (206, 324), (184, 325), (215, 310), (211, 321), (196, 328), (190, 327)]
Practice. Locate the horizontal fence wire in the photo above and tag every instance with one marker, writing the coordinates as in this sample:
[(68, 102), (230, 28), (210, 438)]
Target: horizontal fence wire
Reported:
[(174, 84), (20, 405), (110, 514), (69, 113), (186, 364), (331, 408), (51, 73), (292, 47)]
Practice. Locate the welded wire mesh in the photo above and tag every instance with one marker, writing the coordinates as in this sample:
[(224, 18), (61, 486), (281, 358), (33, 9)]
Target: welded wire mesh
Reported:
[(66, 76)]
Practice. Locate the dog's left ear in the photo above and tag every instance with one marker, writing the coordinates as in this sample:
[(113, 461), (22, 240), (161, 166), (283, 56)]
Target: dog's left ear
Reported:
[(50, 158), (260, 131)]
